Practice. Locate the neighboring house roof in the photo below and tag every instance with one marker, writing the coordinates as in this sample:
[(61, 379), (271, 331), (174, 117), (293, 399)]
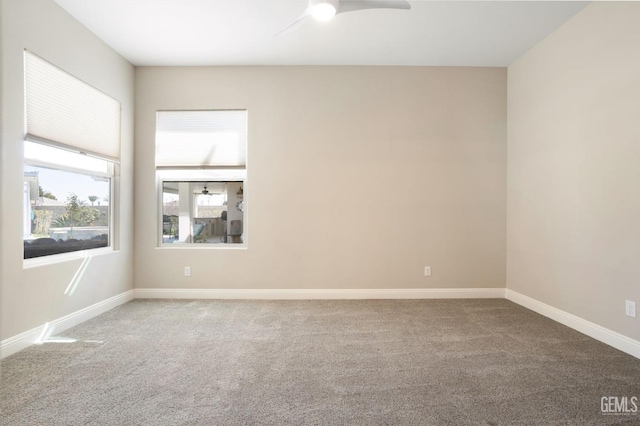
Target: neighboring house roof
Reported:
[(43, 201)]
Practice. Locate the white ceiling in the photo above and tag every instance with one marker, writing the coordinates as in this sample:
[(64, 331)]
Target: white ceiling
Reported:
[(241, 32)]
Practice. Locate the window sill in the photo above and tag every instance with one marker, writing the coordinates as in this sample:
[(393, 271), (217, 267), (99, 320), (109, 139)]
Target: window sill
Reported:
[(65, 257), (192, 246)]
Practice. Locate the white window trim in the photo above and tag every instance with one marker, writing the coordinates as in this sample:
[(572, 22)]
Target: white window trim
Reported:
[(45, 165)]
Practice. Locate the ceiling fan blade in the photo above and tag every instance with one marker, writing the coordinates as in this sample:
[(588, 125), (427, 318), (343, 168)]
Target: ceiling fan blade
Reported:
[(295, 24), (353, 5)]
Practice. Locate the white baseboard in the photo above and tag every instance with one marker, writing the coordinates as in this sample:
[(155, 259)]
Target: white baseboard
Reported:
[(36, 335), (319, 294), (611, 338)]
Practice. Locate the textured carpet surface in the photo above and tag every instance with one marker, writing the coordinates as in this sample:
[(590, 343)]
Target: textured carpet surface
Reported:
[(410, 362)]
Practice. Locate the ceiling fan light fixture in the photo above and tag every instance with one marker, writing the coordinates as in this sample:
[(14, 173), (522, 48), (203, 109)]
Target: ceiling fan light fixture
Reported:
[(323, 11)]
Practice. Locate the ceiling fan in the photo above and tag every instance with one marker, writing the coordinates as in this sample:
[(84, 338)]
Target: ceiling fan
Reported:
[(323, 10), (205, 191)]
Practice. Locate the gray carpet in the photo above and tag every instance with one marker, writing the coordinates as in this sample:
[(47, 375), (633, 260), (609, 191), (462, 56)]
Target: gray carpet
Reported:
[(408, 362)]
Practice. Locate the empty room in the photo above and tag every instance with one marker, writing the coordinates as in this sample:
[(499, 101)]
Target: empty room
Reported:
[(221, 212)]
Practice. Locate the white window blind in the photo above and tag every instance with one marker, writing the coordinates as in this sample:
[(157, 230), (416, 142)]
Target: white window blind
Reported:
[(201, 139), (62, 109)]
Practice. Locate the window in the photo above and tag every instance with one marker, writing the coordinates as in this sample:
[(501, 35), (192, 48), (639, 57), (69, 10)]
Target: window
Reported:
[(201, 168), (65, 209), (71, 150), (202, 212)]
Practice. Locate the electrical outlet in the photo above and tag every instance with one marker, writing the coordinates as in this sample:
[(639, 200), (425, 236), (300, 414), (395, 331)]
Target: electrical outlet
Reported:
[(427, 271), (187, 271), (630, 308)]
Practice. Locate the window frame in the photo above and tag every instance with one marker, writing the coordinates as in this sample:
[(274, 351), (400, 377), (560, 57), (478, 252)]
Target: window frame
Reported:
[(173, 175), (110, 175)]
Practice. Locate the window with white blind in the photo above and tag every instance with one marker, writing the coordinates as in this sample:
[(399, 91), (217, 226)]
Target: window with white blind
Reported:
[(71, 151), (201, 163)]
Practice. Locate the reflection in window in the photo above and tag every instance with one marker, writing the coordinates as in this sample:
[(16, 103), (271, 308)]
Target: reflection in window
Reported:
[(202, 212)]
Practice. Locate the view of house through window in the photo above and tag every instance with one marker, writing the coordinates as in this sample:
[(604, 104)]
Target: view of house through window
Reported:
[(64, 211), (202, 212)]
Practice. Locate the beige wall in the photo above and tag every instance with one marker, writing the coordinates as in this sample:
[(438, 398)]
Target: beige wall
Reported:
[(358, 177), (31, 297), (574, 167)]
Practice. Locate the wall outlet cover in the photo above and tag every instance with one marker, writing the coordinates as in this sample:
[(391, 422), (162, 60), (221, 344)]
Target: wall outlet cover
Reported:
[(630, 308)]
